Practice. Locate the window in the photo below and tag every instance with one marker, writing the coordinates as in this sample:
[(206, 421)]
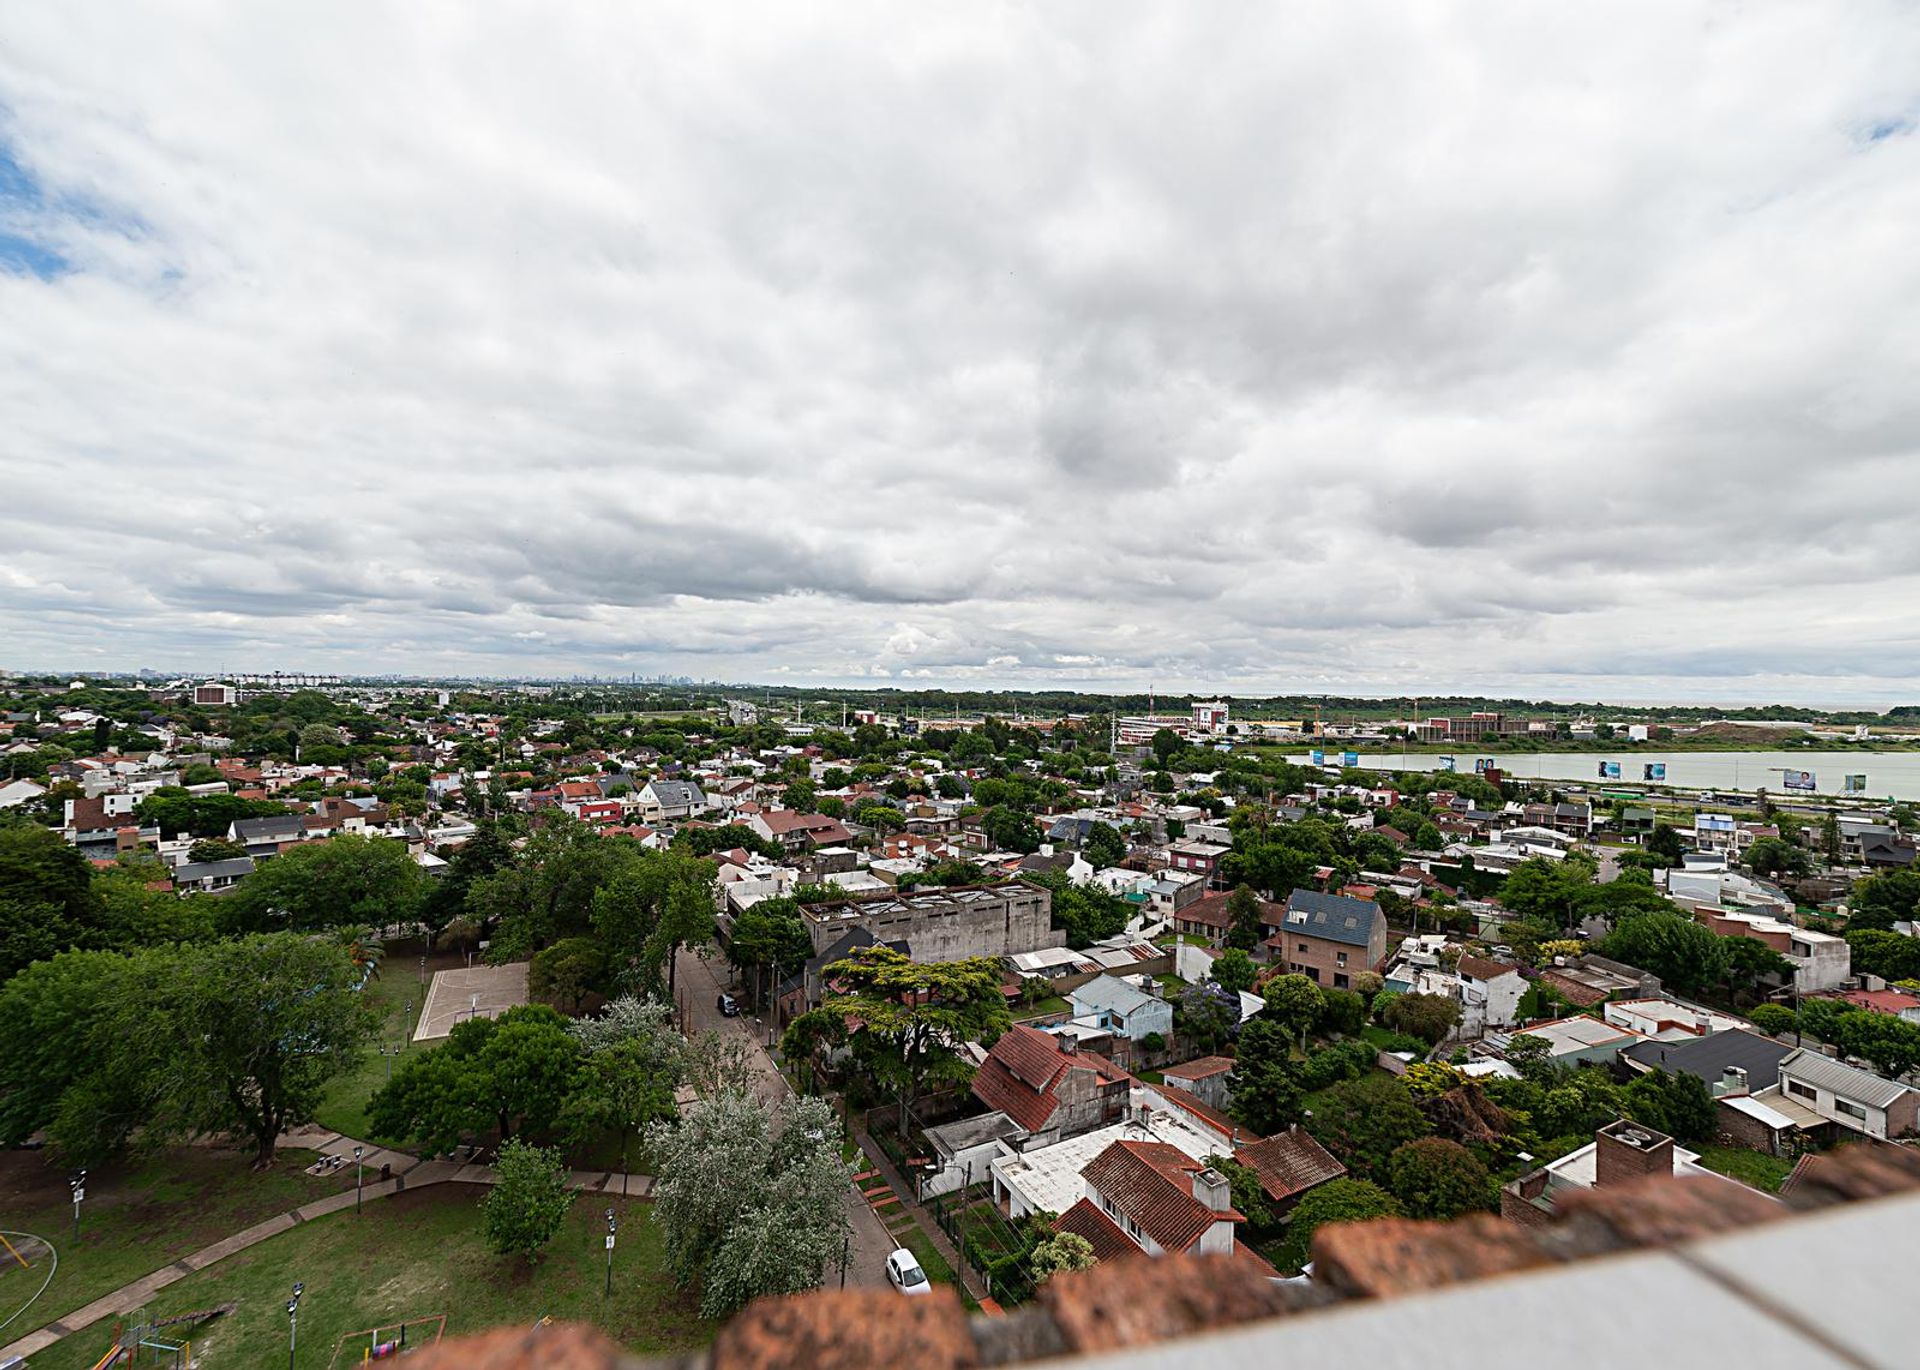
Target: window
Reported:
[(1312, 973), (1851, 1110), (1339, 981), (1303, 948), (1340, 958), (1800, 1091)]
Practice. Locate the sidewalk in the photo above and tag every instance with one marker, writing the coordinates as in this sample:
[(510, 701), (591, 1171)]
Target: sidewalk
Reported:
[(410, 1173), (910, 1205)]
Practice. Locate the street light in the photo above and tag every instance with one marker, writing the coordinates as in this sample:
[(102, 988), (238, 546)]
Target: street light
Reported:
[(407, 1036), (293, 1321), (79, 1186), (389, 1052), (358, 1174), (611, 1225)]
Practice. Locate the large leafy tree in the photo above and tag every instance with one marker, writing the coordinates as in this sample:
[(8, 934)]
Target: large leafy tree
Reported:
[(519, 1069), (1685, 955), (1890, 955), (550, 892), (1265, 1084), (1880, 901), (1430, 1017), (47, 899), (770, 934), (1243, 919), (750, 1202), (1337, 1201), (47, 1016), (528, 1202), (236, 1037), (1891, 1043), (1364, 1121), (908, 1020), (1436, 1178), (345, 881), (1294, 1002), (1008, 829), (568, 971), (1104, 846)]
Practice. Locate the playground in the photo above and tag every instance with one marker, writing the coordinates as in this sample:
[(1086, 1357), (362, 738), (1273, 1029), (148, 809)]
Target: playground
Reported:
[(407, 1263)]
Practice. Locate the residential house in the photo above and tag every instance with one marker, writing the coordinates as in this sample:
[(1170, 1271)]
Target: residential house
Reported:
[(1205, 1079), (1196, 858), (211, 877), (1289, 1164), (1857, 1100), (1820, 960), (1050, 1088), (1577, 1041), (1150, 1198), (668, 801), (1329, 938), (1732, 1061), (1114, 1003), (1207, 918), (799, 831), (263, 837)]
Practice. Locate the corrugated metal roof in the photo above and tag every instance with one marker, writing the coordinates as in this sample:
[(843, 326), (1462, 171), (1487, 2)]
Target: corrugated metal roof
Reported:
[(1856, 1086)]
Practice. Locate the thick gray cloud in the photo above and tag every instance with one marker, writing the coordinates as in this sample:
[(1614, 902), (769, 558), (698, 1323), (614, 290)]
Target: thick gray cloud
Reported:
[(1379, 346)]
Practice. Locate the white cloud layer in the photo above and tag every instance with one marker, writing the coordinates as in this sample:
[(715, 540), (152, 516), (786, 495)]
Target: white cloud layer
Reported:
[(1541, 347)]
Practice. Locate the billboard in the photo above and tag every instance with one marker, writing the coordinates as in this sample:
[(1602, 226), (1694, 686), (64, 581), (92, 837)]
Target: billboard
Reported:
[(1798, 780), (1609, 770), (1483, 764), (1855, 784), (1318, 758), (1349, 758), (1446, 763), (1654, 770)]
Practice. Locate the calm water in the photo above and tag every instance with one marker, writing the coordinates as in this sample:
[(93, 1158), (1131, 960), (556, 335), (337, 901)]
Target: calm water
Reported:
[(1893, 775)]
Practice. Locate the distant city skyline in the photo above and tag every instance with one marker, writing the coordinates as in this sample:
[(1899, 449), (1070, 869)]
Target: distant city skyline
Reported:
[(1538, 351)]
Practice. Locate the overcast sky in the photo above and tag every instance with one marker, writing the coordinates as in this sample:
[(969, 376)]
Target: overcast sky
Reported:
[(1564, 349)]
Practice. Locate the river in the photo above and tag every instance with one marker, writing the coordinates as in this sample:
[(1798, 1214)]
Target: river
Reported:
[(1889, 775)]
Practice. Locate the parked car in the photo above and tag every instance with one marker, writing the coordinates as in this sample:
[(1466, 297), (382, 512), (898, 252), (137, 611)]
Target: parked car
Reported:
[(729, 1006), (904, 1273)]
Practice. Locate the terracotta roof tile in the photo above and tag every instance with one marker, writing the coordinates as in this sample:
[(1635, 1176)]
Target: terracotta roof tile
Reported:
[(1290, 1163), (1086, 1220), (1152, 1184)]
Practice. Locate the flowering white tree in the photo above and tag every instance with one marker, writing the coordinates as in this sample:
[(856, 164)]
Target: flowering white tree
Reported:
[(751, 1202)]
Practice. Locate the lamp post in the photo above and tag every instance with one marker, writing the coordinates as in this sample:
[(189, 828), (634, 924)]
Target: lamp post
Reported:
[(389, 1052), (473, 1006), (407, 1035), (293, 1322), (611, 1225), (359, 1173), (79, 1186)]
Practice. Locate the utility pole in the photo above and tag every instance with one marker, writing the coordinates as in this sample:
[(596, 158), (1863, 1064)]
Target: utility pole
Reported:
[(359, 1177), (79, 1186), (293, 1322), (611, 1225)]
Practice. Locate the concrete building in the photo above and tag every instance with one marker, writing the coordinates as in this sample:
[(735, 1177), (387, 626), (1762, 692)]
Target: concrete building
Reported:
[(1329, 938), (1114, 1003), (945, 924)]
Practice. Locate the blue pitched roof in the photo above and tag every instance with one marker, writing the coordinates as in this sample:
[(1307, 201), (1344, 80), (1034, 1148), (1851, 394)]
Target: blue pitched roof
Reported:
[(1336, 917)]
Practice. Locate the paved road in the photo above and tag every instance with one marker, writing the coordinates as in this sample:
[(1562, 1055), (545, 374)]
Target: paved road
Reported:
[(699, 983)]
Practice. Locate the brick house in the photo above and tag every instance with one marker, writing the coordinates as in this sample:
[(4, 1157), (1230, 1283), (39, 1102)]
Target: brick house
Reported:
[(1154, 1199), (1049, 1086), (1329, 938)]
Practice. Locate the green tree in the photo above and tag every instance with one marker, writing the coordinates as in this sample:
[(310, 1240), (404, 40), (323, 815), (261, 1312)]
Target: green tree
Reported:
[(526, 1205), (907, 1021), (1891, 1043), (47, 899), (569, 971), (1244, 930), (1104, 846), (347, 880), (1063, 1251), (769, 935), (1820, 1018), (1337, 1201), (1166, 744), (1890, 955), (1430, 1017), (1364, 1121), (1880, 901), (1774, 856), (1772, 1019), (749, 1203), (1265, 1086), (1008, 829), (1436, 1178), (1677, 1104), (1342, 1012), (1207, 1014), (216, 849), (1664, 842), (48, 1013), (234, 1037), (1294, 1002), (1234, 970), (1685, 955)]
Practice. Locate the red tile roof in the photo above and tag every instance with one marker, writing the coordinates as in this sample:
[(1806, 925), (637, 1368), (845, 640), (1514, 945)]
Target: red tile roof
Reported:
[(1289, 1163), (1152, 1184), (1109, 1243), (1023, 1067)]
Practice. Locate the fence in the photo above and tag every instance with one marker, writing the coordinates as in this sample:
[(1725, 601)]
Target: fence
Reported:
[(996, 1250)]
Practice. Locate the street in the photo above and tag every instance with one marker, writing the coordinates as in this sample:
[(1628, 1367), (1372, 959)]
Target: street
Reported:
[(699, 983)]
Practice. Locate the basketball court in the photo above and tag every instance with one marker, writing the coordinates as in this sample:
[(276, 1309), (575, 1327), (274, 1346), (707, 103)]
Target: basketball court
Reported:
[(470, 992)]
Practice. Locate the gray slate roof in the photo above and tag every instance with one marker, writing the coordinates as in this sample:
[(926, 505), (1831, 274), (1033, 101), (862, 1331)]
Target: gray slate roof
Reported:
[(1336, 917), (675, 793)]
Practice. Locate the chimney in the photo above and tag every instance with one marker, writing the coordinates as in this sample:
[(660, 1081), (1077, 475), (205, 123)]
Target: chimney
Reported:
[(1069, 1044), (1210, 1187), (1627, 1150)]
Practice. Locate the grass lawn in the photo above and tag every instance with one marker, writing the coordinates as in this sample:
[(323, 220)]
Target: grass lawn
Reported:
[(344, 1109), (1749, 1167), (413, 1256), (137, 1218), (1053, 1003)]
